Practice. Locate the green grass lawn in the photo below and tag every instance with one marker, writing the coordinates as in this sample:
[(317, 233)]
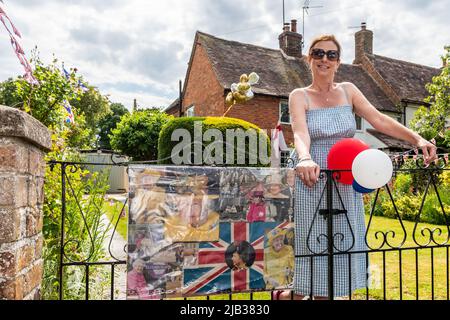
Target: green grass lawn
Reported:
[(391, 260), (392, 288), (112, 211), (392, 266)]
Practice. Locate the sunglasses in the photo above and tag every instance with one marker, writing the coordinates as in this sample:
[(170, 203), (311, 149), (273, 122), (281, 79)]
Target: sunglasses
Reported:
[(318, 54)]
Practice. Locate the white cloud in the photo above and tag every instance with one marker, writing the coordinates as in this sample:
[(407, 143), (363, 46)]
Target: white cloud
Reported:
[(140, 49), (143, 99)]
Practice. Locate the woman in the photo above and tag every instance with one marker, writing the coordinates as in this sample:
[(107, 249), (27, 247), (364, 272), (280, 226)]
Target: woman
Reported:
[(257, 208), (240, 255), (278, 260), (135, 278), (322, 114), (238, 261), (199, 224)]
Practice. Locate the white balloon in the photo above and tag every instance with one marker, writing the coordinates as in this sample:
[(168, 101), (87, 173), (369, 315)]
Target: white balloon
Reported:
[(249, 94), (372, 169), (253, 78)]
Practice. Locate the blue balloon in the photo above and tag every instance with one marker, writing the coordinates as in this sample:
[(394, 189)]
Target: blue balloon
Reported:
[(361, 189)]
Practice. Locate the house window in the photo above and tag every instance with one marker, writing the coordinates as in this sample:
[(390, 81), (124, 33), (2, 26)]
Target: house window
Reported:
[(358, 120), (190, 111), (285, 117), (396, 117)]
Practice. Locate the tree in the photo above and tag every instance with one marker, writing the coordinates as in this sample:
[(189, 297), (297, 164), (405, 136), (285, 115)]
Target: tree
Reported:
[(8, 94), (136, 135), (46, 101), (109, 122), (94, 106), (431, 122)]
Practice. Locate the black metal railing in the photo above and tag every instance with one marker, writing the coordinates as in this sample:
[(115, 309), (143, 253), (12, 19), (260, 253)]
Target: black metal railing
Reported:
[(427, 243)]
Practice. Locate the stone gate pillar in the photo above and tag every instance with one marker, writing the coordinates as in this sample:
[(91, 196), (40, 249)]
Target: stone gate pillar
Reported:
[(23, 143)]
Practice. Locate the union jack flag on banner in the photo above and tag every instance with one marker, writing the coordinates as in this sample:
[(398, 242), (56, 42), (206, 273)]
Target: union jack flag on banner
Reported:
[(215, 272)]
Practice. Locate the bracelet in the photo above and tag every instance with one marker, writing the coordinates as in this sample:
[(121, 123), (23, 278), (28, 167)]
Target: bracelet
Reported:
[(304, 159)]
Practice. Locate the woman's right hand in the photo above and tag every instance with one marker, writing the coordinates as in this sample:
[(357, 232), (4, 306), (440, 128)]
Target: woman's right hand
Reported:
[(308, 171), (428, 149)]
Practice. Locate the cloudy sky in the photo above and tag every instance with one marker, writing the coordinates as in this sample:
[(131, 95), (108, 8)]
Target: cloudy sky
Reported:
[(140, 49)]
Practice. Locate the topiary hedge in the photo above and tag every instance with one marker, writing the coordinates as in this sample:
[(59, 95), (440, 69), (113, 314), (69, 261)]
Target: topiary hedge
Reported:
[(213, 141)]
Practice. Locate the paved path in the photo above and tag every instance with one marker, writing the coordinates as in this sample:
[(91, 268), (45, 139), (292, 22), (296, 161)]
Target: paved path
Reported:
[(117, 250)]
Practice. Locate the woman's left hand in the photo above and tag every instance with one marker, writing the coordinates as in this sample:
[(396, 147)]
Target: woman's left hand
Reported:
[(428, 151)]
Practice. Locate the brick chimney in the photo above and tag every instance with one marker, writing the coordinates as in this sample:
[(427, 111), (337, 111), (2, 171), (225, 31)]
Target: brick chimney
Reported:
[(363, 42), (290, 40)]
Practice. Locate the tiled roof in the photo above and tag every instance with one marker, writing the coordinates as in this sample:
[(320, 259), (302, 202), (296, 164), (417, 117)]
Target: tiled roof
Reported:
[(173, 105), (279, 73), (392, 143), (405, 78), (356, 75)]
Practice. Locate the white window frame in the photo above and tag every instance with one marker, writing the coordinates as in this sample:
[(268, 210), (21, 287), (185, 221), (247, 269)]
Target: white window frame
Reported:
[(396, 116), (190, 112), (362, 124), (280, 113)]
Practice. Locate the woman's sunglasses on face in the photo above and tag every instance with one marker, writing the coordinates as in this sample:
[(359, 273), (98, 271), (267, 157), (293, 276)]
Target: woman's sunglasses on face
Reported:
[(318, 54)]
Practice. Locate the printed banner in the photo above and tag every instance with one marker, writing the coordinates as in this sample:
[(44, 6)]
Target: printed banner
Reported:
[(205, 230)]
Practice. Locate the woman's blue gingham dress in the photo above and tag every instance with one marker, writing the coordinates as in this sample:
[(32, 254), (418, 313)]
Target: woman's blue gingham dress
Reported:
[(327, 126)]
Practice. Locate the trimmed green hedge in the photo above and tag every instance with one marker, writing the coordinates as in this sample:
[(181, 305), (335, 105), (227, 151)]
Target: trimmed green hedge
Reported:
[(222, 124)]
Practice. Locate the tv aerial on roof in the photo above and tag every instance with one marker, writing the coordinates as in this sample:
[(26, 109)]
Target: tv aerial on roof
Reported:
[(363, 25), (305, 8)]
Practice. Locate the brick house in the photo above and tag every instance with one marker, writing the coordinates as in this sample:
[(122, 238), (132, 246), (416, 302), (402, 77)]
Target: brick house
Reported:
[(395, 87)]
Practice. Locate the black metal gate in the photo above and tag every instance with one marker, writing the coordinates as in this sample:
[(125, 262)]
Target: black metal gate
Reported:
[(421, 255)]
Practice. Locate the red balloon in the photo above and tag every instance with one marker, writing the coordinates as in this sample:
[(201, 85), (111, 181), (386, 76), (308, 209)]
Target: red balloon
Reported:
[(341, 157)]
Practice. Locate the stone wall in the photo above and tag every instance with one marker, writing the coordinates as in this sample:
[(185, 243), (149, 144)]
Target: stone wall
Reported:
[(23, 143)]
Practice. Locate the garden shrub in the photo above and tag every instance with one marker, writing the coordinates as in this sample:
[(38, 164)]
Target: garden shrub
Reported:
[(407, 207), (222, 124), (136, 135), (408, 194), (368, 202), (403, 183), (446, 178), (419, 178), (85, 193), (432, 211)]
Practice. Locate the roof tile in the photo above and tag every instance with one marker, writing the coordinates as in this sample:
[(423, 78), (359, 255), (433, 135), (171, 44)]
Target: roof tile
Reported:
[(406, 78)]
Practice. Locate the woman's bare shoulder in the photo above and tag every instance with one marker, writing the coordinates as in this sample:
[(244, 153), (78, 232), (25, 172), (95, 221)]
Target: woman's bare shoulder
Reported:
[(345, 84), (350, 86), (297, 99), (297, 92)]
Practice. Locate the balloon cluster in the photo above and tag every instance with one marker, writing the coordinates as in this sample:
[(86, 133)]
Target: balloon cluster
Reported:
[(364, 168), (241, 92)]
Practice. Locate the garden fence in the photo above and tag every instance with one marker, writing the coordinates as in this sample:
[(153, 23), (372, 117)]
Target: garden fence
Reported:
[(407, 261)]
